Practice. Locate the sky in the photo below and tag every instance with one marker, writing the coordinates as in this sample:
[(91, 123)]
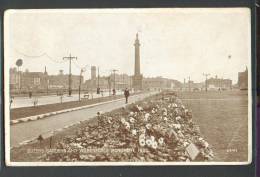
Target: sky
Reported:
[(175, 43)]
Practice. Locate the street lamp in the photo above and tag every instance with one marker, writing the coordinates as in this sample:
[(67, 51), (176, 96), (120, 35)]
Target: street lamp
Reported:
[(80, 75), (19, 63), (206, 81)]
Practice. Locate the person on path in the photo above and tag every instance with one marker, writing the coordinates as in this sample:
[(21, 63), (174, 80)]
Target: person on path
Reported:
[(114, 91), (127, 94)]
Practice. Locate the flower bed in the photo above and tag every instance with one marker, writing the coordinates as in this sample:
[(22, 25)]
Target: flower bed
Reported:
[(157, 129)]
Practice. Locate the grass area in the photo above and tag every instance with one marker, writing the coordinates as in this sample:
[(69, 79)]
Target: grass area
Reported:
[(223, 120), (17, 113)]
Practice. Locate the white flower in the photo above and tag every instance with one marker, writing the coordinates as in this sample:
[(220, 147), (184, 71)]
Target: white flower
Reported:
[(174, 105), (139, 108), (149, 142), (123, 120), (109, 119), (185, 144), (152, 138), (176, 126), (154, 145), (146, 116), (161, 141), (148, 126), (142, 142), (165, 118), (205, 143), (178, 118), (131, 113), (76, 145), (153, 111), (132, 120), (134, 132), (127, 125)]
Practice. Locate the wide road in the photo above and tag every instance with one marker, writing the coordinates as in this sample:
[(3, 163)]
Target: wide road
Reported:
[(29, 130), (19, 102)]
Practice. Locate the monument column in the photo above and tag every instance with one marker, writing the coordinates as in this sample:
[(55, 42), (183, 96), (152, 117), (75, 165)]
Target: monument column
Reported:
[(137, 78), (137, 56)]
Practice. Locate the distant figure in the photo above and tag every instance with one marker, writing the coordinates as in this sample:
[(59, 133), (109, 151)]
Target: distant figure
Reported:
[(61, 98), (114, 91), (98, 90), (127, 94), (35, 101), (11, 101)]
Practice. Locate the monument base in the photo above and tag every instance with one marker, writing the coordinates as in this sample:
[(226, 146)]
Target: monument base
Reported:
[(138, 82)]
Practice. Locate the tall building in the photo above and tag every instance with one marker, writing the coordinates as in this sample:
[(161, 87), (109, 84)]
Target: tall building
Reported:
[(93, 72), (243, 80), (14, 79), (138, 77), (93, 77)]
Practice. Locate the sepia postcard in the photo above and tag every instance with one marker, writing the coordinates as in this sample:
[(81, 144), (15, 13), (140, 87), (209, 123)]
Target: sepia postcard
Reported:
[(149, 86)]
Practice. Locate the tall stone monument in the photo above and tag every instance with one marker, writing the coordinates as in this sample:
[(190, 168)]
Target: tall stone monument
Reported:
[(138, 77)]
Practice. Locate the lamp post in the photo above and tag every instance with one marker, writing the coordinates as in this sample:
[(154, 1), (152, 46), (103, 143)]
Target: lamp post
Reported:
[(80, 75), (19, 63), (206, 81)]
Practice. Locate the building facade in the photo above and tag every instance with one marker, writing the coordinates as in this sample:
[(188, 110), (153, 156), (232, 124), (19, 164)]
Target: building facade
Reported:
[(40, 82), (243, 80), (14, 79), (159, 83), (219, 83), (61, 81), (106, 83)]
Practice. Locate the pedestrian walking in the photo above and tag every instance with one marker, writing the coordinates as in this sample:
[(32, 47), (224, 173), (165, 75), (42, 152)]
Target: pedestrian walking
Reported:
[(114, 91), (11, 101), (127, 94)]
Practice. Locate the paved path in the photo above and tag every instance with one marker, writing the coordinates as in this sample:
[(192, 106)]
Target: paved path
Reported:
[(19, 102), (25, 131)]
